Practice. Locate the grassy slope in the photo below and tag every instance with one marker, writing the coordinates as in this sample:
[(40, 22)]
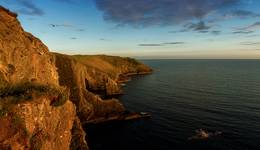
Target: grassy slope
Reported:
[(113, 65)]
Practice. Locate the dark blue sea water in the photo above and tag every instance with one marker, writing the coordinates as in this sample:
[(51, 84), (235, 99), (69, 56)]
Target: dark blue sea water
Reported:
[(185, 95)]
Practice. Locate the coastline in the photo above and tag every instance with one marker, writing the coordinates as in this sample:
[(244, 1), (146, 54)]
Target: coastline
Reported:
[(56, 90), (126, 77)]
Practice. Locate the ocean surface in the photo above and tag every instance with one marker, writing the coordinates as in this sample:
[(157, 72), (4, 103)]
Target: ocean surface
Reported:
[(183, 96)]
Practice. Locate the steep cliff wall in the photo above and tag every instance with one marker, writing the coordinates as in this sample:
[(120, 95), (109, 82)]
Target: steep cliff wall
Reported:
[(91, 77), (84, 82), (35, 112), (23, 57)]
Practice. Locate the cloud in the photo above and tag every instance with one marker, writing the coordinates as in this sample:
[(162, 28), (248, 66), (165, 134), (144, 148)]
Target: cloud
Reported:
[(149, 45), (67, 1), (242, 32), (61, 25), (253, 35), (250, 43), (103, 39), (160, 12), (243, 14), (252, 27), (247, 29), (66, 26), (80, 30), (29, 8), (215, 32), (233, 14), (161, 44), (73, 38), (172, 43), (200, 26)]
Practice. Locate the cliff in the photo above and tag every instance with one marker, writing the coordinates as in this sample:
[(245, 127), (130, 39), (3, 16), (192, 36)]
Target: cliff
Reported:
[(118, 68), (35, 112), (94, 82), (85, 83), (45, 98)]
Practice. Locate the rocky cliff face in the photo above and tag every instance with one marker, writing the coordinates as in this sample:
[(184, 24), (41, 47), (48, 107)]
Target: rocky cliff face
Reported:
[(85, 83), (37, 125), (93, 78), (23, 57), (34, 110)]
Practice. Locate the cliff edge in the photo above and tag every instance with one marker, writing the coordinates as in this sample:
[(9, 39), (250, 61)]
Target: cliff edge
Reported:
[(35, 112)]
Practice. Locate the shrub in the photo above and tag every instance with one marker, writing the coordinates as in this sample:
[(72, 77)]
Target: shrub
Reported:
[(3, 112), (19, 124), (21, 92), (63, 96)]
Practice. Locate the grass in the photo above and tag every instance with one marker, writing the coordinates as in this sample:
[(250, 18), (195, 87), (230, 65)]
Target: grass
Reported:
[(19, 124), (3, 111), (14, 94)]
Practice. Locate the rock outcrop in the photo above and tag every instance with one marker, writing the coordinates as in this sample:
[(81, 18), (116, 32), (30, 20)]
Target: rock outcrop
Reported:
[(23, 57), (85, 83), (34, 113)]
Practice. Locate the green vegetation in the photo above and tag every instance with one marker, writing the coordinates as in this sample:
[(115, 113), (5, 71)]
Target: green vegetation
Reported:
[(63, 96), (132, 61), (3, 111), (14, 94), (27, 91), (19, 124)]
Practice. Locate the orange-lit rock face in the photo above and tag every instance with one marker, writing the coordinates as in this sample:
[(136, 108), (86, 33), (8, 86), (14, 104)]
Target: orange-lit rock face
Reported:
[(29, 123), (37, 125), (23, 57), (82, 79)]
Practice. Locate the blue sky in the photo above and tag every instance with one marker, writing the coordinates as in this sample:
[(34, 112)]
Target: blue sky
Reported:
[(144, 28)]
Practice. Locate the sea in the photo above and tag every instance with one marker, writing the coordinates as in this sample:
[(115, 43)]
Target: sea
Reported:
[(216, 96)]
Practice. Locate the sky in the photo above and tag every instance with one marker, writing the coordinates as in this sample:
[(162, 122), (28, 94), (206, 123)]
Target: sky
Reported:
[(181, 29)]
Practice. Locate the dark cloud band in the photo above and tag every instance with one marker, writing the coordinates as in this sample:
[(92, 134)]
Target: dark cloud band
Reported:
[(159, 12), (162, 44), (29, 8)]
